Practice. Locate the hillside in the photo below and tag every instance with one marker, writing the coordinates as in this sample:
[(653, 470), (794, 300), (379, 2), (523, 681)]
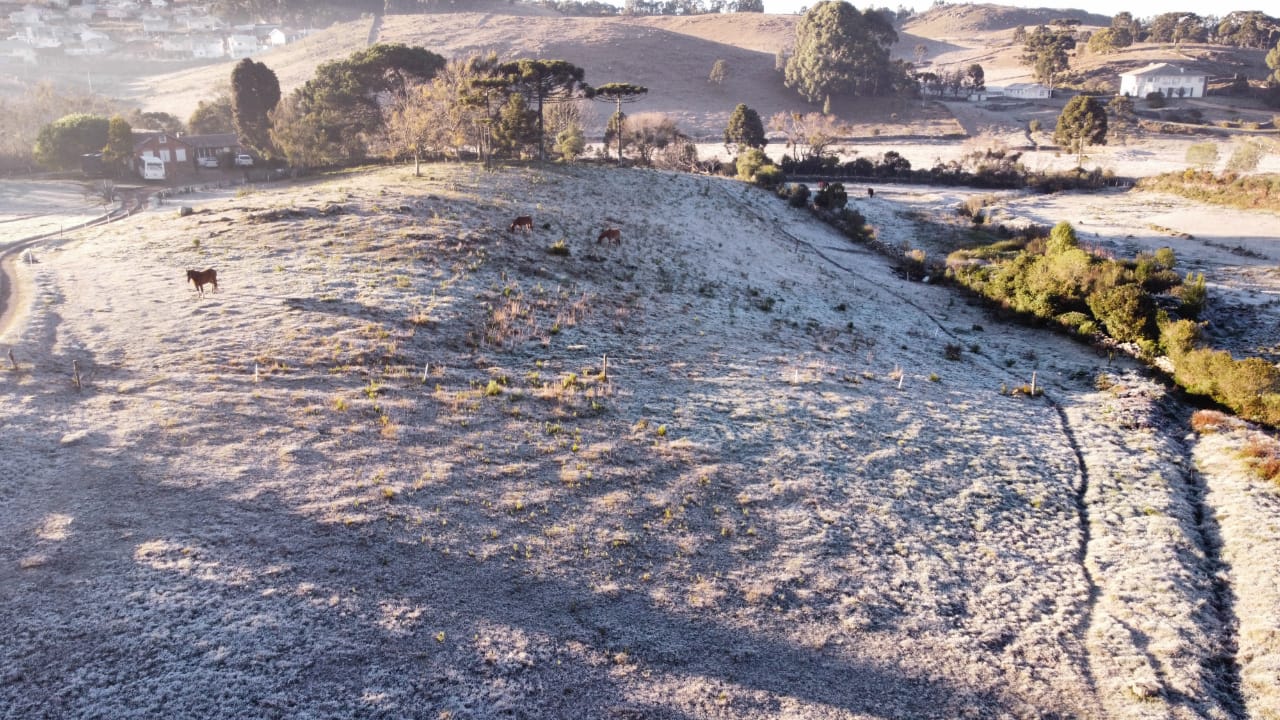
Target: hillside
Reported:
[(963, 20), (406, 463), (672, 56)]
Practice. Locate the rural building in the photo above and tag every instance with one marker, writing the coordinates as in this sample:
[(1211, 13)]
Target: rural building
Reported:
[(214, 146), (1027, 91), (169, 148), (241, 46), (1168, 80)]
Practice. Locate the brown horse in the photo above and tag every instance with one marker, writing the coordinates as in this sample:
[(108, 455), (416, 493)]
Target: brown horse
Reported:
[(202, 278), (612, 234), (524, 222), (871, 192)]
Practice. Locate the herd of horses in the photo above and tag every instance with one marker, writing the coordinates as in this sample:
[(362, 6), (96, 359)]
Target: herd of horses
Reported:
[(523, 223)]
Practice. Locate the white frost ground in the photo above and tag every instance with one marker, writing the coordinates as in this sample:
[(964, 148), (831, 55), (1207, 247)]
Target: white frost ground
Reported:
[(779, 499)]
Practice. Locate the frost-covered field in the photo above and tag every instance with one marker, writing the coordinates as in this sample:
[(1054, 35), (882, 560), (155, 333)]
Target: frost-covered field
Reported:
[(405, 463)]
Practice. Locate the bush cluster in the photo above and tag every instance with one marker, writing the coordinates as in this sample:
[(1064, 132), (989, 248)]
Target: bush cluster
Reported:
[(1054, 279), (992, 168), (1249, 387), (1243, 191)]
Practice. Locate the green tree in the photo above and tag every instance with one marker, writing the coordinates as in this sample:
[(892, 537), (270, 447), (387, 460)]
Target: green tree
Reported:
[(842, 50), (302, 136), (61, 143), (213, 116), (975, 78), (742, 6), (1124, 20), (619, 93), (255, 92), (1109, 40), (155, 121), (1046, 53), (544, 82), (119, 146), (1083, 122), (1273, 62), (570, 142), (745, 130), (719, 72), (517, 127), (350, 93), (1177, 27)]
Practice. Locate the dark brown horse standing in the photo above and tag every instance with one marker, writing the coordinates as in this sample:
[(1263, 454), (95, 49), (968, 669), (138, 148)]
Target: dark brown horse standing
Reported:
[(202, 278), (524, 222)]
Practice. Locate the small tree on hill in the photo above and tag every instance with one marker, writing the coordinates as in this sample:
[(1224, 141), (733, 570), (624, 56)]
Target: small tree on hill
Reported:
[(745, 130), (1082, 123), (543, 82), (619, 93), (719, 72)]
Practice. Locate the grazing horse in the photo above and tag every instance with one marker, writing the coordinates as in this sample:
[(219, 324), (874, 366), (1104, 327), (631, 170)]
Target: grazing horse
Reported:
[(612, 234), (524, 222), (871, 192), (202, 278)]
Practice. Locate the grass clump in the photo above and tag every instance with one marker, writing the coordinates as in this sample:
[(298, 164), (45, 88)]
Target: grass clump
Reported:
[(559, 247)]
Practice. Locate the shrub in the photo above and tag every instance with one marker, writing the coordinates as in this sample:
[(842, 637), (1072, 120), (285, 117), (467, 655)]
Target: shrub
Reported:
[(1155, 100), (1125, 311), (754, 166), (1166, 258), (1178, 338), (1192, 293), (798, 196), (831, 197), (1073, 321), (560, 247), (1061, 238)]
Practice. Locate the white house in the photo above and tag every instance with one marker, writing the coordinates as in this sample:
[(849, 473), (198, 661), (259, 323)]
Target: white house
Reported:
[(95, 42), (241, 46), (1027, 91), (277, 37), (207, 47), (1168, 80)]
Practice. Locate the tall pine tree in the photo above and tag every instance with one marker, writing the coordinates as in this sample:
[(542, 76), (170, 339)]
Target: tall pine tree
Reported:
[(255, 92)]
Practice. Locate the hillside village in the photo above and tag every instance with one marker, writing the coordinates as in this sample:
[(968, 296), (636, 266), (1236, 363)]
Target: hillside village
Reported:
[(518, 360), (139, 30)]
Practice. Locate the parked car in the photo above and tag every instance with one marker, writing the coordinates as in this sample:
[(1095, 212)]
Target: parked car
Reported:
[(243, 160), (208, 161)]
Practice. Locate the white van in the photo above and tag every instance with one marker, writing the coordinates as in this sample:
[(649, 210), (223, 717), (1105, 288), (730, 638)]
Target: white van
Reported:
[(152, 168)]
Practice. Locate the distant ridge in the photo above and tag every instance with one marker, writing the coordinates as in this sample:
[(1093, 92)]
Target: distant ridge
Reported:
[(953, 20)]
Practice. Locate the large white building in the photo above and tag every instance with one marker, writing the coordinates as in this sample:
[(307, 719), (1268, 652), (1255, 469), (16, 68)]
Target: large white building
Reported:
[(1168, 80)]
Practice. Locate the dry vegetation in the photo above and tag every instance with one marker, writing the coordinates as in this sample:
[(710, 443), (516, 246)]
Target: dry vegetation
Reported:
[(408, 464)]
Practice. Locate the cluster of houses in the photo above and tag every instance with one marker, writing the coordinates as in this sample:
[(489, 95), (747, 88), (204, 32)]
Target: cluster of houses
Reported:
[(1171, 81), (152, 29)]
